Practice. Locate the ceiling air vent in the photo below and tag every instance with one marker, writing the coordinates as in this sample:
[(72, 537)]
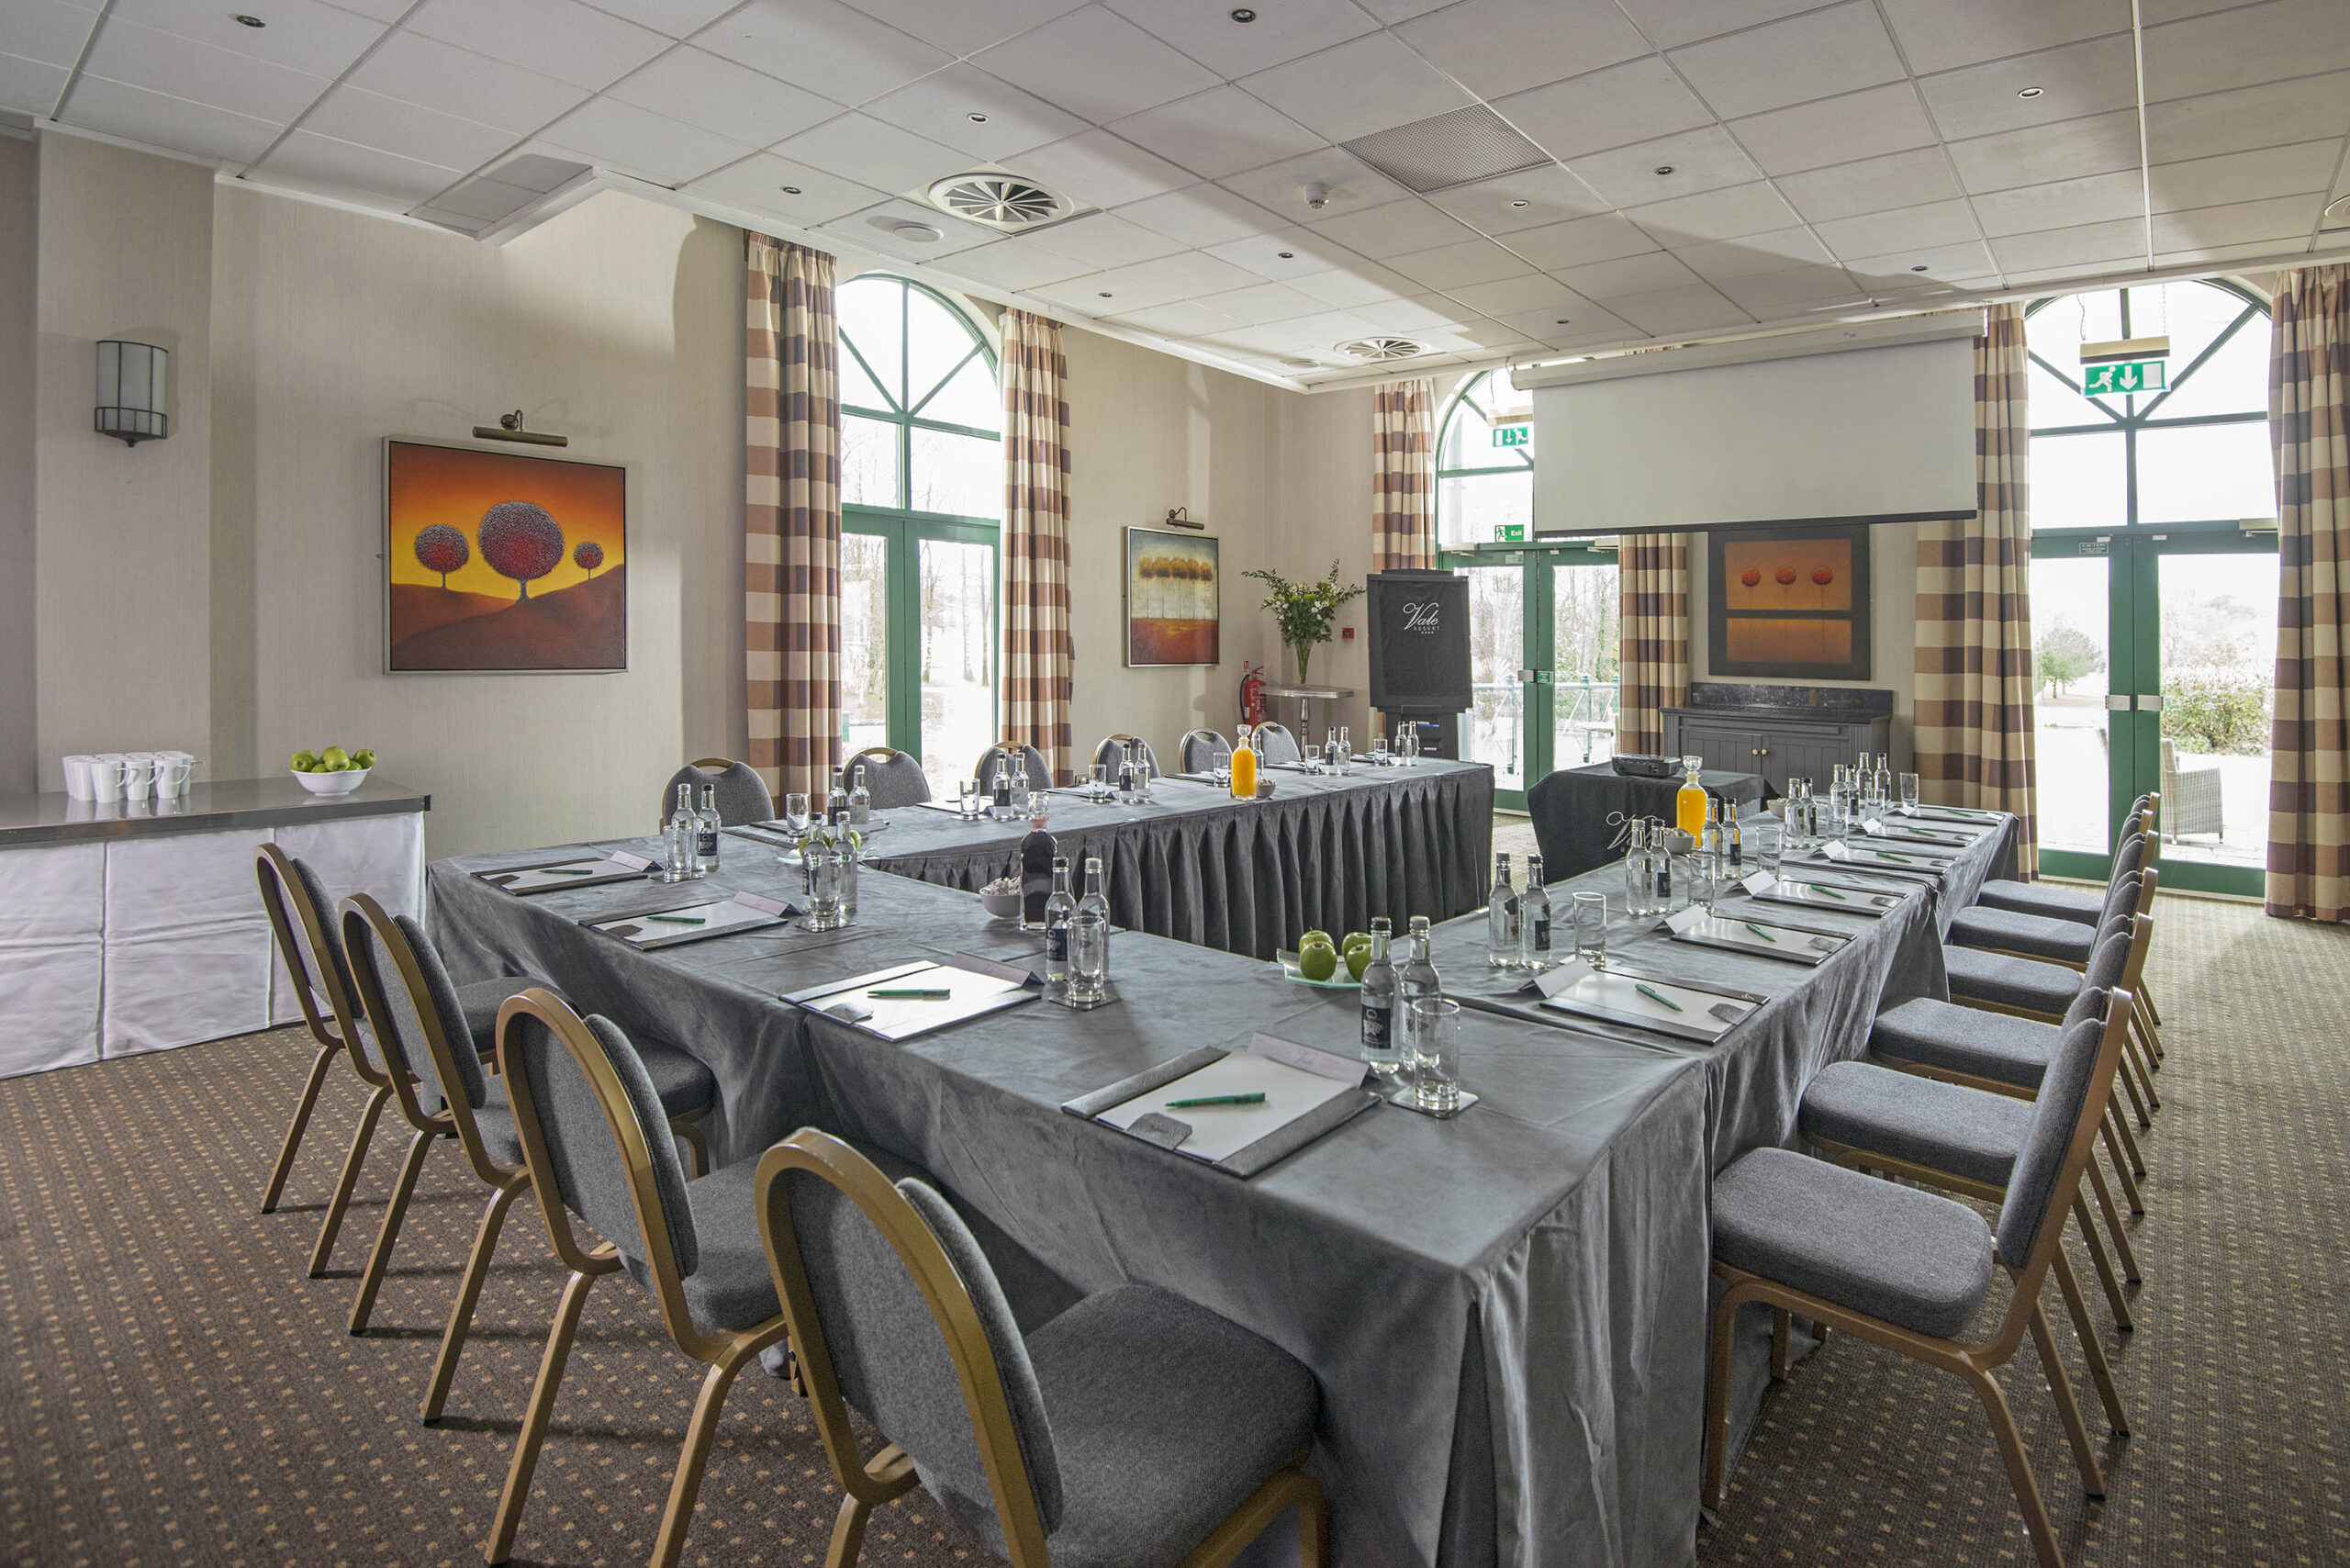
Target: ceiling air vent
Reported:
[(1299, 362), (1004, 203), (1449, 149), (1378, 351)]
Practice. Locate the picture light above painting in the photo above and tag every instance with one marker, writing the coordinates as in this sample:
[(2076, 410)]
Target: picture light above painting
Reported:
[(502, 562)]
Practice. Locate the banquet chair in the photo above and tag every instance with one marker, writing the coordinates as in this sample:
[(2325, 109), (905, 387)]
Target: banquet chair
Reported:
[(1910, 1270), (743, 796), (893, 777), (1134, 1430), (413, 1012), (1040, 775), (1111, 749), (299, 915), (1200, 751), (2082, 904), (1275, 744), (590, 1125)]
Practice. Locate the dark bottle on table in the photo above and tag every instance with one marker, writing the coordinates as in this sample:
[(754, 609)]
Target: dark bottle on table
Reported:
[(1060, 909), (1036, 863), (1735, 840), (1663, 870)]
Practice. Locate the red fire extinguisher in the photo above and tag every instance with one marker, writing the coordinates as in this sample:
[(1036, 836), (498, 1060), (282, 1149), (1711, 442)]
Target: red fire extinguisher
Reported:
[(1252, 695)]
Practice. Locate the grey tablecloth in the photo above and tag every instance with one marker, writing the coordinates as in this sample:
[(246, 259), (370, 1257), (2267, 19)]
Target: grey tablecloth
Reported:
[(1248, 876), (1571, 807)]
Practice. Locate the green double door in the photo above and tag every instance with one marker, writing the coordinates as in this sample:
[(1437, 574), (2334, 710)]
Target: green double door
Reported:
[(1542, 624)]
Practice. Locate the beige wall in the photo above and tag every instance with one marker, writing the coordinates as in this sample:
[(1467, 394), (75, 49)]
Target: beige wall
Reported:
[(19, 731), (1325, 513), (122, 643)]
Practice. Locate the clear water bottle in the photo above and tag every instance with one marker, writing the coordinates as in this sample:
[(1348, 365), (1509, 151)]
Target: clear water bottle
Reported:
[(1733, 843), (1379, 991), (1882, 786), (1661, 863), (1533, 919), (1415, 980), (679, 844), (1501, 919), (1089, 939), (851, 853), (1345, 763), (1639, 878), (860, 801), (706, 830), (999, 791), (836, 801), (1060, 912)]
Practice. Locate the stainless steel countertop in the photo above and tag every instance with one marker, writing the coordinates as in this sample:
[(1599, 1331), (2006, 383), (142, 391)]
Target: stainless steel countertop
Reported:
[(30, 820)]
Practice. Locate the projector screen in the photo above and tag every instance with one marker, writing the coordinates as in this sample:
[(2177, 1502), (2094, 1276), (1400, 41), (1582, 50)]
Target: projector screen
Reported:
[(1881, 434)]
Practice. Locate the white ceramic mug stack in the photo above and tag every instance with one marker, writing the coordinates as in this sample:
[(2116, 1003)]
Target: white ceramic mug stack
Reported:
[(111, 775)]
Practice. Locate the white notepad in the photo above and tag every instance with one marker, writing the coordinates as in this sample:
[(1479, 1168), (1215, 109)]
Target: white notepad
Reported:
[(1293, 1079)]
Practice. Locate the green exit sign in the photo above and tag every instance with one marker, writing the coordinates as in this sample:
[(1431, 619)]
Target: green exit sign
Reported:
[(1513, 435), (1509, 533), (2123, 375)]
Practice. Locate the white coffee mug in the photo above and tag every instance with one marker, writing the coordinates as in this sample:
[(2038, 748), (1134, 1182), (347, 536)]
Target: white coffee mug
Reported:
[(106, 778), (138, 775), (77, 778), (172, 770)]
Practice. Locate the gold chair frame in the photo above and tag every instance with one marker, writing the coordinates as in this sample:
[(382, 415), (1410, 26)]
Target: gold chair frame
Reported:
[(1971, 1361), (866, 1485), (724, 1355)]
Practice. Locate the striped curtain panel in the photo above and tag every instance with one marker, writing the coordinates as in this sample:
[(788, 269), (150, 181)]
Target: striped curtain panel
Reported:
[(1039, 652), (1652, 674), (1973, 727), (791, 515), (1403, 475), (2309, 426)]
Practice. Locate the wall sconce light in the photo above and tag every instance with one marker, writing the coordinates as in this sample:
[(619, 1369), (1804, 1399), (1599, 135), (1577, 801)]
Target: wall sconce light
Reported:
[(509, 428), (130, 392), (1180, 517)]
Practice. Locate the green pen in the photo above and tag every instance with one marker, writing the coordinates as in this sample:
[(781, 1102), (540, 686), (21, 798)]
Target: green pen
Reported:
[(1832, 892), (910, 992), (679, 919), (1217, 1099), (1888, 855), (1759, 932), (566, 871), (1659, 997)]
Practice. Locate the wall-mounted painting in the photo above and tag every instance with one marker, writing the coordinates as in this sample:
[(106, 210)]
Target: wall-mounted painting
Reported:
[(1171, 598), (1791, 604), (501, 561)]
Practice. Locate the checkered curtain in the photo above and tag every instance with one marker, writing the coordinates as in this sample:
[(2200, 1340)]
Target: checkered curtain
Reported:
[(2308, 428), (1653, 673), (1039, 653), (1403, 475), (1973, 728), (791, 515)]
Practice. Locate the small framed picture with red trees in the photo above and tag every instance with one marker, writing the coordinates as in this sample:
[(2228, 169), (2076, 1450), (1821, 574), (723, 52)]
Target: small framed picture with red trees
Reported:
[(1789, 603), (502, 562)]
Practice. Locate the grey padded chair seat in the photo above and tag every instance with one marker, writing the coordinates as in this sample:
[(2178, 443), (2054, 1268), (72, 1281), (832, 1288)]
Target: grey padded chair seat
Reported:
[(683, 1084), (1911, 1257), (2019, 933), (730, 1287), (1942, 1126), (1966, 1040), (894, 780), (2084, 906), (480, 1001), (2010, 982)]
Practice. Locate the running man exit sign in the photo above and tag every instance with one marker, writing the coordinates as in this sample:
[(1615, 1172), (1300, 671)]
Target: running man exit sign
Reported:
[(1513, 435), (2124, 376)]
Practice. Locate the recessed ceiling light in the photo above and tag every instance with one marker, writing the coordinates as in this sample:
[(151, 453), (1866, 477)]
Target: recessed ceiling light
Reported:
[(1918, 268), (919, 233), (1519, 202), (976, 117), (791, 190), (245, 21), (2028, 93), (1664, 168), (1561, 321), (1103, 294), (1244, 14), (1286, 256)]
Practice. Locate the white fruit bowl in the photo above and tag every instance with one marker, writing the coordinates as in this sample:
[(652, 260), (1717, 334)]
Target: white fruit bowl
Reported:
[(333, 783)]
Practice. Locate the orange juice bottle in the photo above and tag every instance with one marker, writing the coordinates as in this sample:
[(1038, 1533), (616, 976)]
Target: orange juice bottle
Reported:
[(1244, 769), (1689, 801)]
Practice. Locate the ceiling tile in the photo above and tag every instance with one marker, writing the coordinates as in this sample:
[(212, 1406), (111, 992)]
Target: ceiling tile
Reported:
[(2123, 241), (860, 147), (1814, 56), (302, 35), (1724, 214), (1633, 102), (1393, 11), (1495, 46), (537, 168), (1391, 231), (30, 85), (1288, 255), (1017, 265), (1097, 64), (2272, 116), (1700, 161), (1673, 22), (1902, 228), (2065, 204), (964, 28), (1787, 293), (2279, 218), (1695, 307), (1521, 296), (2097, 145), (1355, 88), (1873, 185), (1184, 318), (1101, 169), (822, 46), (1349, 184), (1264, 302), (1753, 255), (1528, 200), (1200, 215), (1600, 238), (391, 124), (1353, 283), (458, 82), (2076, 80), (2246, 47), (719, 96), (386, 11), (1935, 35), (1586, 325), (1454, 266), (1218, 132), (2245, 176), (1103, 239), (874, 228), (1427, 314), (759, 182), (1187, 275), (1920, 266), (341, 165), (1837, 131), (463, 223), (46, 32), (2217, 253), (622, 136), (1204, 29), (563, 39), (163, 120), (1633, 275), (678, 18), (940, 106), (165, 63)]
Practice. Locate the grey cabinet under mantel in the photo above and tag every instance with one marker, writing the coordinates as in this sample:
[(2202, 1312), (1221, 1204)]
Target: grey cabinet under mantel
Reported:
[(1779, 731)]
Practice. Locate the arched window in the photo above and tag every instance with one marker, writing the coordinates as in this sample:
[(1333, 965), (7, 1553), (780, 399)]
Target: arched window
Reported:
[(922, 509), (2153, 604), (1484, 471)]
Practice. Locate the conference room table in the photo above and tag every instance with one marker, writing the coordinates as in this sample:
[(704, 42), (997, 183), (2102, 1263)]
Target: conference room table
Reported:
[(1506, 1311)]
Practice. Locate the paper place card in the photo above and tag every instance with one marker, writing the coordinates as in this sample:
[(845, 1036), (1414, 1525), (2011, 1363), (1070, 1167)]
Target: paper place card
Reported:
[(1835, 850), (1683, 921), (633, 862), (1558, 978), (1760, 882), (766, 905), (1018, 974), (1321, 1063)]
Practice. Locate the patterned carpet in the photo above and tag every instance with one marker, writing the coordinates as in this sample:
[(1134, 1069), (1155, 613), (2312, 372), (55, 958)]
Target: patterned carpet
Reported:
[(180, 1393)]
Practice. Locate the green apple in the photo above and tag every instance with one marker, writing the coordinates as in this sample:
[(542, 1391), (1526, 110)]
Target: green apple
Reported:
[(1318, 960), (1358, 959), (303, 762), (362, 757), (334, 755), (1318, 936)]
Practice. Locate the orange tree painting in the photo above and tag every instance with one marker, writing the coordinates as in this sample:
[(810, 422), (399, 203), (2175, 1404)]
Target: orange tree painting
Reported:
[(502, 562), (1790, 603)]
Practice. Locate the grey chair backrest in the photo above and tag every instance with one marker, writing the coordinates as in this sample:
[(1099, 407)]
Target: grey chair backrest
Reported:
[(587, 1166), (2120, 900), (328, 969), (1108, 751), (888, 1353), (894, 780), (1040, 776), (2128, 857), (2055, 1116), (1275, 744), (743, 796), (401, 1030), (1201, 750)]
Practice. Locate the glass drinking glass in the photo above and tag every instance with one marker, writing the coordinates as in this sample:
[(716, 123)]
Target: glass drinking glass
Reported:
[(1039, 800), (1436, 1054), (795, 813), (1591, 928), (1378, 751), (822, 859), (968, 798), (1102, 785), (1910, 792), (1770, 840)]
